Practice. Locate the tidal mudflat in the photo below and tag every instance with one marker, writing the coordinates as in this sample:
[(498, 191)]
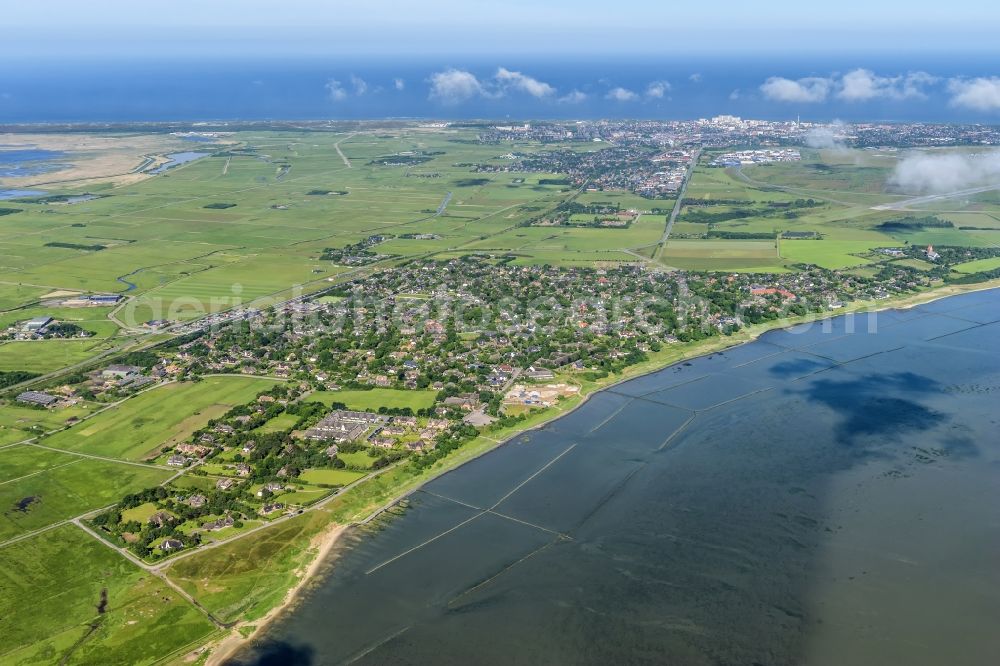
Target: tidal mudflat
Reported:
[(825, 495)]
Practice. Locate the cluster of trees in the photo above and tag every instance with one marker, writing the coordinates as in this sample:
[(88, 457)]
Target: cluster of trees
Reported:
[(176, 512), (912, 223), (65, 330), (448, 441), (77, 246), (695, 211), (9, 378), (357, 252)]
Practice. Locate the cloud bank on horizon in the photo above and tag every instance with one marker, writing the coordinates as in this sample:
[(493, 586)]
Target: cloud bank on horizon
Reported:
[(454, 86), (864, 85)]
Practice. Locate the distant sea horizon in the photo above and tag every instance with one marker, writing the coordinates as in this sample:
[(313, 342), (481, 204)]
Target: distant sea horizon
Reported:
[(185, 89)]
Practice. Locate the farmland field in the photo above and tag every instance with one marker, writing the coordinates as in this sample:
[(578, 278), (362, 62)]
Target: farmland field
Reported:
[(138, 427), (828, 194)]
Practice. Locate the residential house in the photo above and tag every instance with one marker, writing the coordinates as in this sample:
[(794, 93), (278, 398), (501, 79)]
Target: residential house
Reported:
[(270, 487), (220, 524), (160, 518)]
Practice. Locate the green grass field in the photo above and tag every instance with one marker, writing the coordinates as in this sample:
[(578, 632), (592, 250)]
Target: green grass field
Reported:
[(18, 423), (978, 265), (333, 477), (138, 427), (843, 186), (61, 576), (279, 423), (373, 399), (67, 488), (47, 355), (13, 295), (357, 460), (232, 580)]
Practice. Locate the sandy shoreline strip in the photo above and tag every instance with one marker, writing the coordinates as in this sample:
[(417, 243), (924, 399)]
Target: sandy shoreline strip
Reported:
[(229, 645)]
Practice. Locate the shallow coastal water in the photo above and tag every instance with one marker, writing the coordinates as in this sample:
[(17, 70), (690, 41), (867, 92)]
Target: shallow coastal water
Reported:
[(177, 159), (825, 495), (17, 194), (20, 162)]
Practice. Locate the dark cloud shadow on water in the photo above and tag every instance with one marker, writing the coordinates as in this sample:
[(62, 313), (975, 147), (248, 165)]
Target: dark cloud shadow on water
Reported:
[(878, 407), (276, 653)]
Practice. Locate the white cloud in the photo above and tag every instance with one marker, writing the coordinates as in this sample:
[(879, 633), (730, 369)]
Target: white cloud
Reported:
[(573, 97), (335, 89), (453, 86), (979, 94), (695, 78), (523, 83), (620, 94), (810, 90), (861, 85), (735, 95), (827, 136), (398, 84), (945, 172), (359, 85), (657, 89)]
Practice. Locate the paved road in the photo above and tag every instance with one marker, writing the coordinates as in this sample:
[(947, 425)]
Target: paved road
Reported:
[(347, 162), (444, 204), (677, 205), (931, 198)]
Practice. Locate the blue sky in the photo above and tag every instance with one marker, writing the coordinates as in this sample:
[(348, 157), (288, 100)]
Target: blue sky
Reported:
[(236, 28), (195, 59)]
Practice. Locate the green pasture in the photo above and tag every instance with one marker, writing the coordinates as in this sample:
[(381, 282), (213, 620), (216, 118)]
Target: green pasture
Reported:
[(67, 489), (371, 400), (138, 427), (978, 266), (332, 477), (60, 577)]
